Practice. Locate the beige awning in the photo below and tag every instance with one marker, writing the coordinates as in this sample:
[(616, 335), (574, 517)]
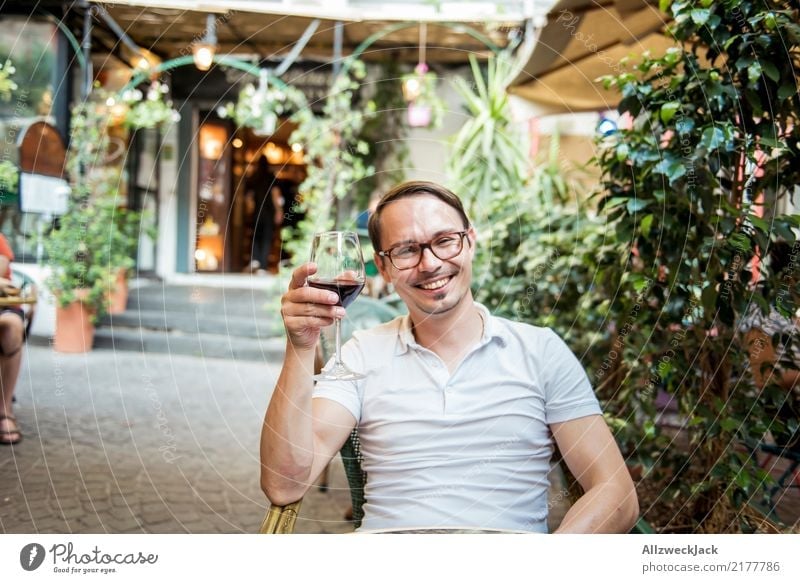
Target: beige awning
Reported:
[(582, 41), (270, 29)]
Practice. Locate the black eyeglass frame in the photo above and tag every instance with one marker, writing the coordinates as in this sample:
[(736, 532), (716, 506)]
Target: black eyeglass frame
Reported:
[(423, 246)]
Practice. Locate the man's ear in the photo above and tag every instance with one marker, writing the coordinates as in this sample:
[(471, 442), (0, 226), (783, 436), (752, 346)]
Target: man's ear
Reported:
[(473, 239), (381, 263)]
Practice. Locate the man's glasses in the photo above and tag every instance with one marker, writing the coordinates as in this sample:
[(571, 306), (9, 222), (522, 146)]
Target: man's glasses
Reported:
[(409, 255)]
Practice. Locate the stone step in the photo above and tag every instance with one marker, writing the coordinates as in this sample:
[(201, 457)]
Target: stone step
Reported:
[(204, 301), (200, 344), (256, 325)]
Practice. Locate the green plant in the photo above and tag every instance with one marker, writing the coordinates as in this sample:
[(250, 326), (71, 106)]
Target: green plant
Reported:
[(148, 110), (384, 132), (692, 193), (97, 236), (7, 84), (9, 181), (335, 154), (487, 160), (259, 107), (538, 259)]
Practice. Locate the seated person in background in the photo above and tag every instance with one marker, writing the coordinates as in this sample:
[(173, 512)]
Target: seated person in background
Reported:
[(459, 412), (12, 332), (765, 358)]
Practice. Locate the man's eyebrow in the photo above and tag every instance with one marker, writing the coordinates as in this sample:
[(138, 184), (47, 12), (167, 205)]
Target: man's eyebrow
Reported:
[(436, 235)]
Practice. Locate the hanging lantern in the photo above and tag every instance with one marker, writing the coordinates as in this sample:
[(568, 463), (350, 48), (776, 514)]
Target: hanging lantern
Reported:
[(203, 50)]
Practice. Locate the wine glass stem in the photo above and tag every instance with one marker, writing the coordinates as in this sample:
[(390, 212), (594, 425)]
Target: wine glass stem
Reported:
[(338, 330)]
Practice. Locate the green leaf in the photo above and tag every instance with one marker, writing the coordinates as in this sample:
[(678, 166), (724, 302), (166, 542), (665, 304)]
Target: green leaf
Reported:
[(672, 168), (758, 223), (646, 224), (729, 424), (771, 71), (709, 298), (684, 125), (668, 110), (787, 91), (636, 204), (754, 72), (712, 138), (700, 16)]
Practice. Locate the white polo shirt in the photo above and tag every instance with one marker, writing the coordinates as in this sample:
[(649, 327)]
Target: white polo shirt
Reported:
[(469, 449)]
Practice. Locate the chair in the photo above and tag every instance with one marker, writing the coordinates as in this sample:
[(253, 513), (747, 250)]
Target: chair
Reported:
[(786, 445), (365, 313), (792, 471)]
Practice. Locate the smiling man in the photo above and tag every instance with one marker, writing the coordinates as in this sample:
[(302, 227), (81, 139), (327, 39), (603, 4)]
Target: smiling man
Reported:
[(459, 412)]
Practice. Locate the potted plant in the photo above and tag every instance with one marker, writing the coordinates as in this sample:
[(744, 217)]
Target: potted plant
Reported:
[(78, 255), (95, 242), (123, 243)]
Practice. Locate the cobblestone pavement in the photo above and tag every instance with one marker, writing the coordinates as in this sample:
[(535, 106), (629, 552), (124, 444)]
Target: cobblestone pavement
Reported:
[(123, 442)]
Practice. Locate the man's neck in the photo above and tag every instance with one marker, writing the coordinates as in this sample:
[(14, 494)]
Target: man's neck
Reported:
[(452, 334)]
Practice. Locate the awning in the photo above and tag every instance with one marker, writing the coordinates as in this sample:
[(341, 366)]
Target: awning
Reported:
[(270, 29), (582, 41)]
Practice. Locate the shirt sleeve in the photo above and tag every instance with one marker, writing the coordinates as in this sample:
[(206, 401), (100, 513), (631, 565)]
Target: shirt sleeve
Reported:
[(568, 393), (346, 393), (5, 250)]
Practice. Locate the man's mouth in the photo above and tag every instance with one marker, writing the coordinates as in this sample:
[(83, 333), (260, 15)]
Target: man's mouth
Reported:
[(435, 284)]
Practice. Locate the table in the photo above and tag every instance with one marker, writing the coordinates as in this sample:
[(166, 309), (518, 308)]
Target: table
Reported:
[(6, 301)]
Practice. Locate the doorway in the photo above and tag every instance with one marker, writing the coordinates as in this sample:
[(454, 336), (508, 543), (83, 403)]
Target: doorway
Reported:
[(267, 172), (246, 197)]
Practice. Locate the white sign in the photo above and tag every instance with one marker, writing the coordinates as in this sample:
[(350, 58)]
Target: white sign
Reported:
[(43, 194)]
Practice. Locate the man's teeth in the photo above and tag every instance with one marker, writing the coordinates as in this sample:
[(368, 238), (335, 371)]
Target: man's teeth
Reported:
[(435, 284)]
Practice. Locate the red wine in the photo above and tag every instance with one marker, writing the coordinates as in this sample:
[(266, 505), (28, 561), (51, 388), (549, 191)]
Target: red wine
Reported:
[(346, 289)]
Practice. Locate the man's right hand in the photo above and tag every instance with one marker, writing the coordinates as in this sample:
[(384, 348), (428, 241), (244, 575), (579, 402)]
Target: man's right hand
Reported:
[(305, 310)]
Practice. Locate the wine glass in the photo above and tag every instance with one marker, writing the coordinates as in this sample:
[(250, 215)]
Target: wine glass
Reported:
[(340, 269)]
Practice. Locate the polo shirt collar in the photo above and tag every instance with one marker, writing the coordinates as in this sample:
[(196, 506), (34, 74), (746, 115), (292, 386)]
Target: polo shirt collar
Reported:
[(492, 329)]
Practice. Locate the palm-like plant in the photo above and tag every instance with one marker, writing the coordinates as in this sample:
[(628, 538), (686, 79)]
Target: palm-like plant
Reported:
[(487, 158)]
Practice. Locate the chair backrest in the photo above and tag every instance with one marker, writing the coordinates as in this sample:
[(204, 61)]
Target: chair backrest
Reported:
[(356, 476)]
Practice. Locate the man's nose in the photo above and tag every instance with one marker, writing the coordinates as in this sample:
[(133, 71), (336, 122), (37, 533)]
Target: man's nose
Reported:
[(428, 261)]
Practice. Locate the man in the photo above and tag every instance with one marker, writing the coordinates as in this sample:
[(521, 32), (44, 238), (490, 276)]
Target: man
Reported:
[(459, 409)]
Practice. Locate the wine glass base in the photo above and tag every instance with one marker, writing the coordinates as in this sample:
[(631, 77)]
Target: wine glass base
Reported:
[(339, 373)]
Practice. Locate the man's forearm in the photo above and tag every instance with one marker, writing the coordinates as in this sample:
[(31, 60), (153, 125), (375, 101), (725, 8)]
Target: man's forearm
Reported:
[(287, 437), (605, 508)]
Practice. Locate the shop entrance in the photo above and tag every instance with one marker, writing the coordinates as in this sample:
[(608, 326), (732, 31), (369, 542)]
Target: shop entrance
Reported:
[(247, 186)]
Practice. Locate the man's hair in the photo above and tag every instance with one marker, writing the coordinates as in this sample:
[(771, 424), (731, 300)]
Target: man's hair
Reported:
[(408, 190)]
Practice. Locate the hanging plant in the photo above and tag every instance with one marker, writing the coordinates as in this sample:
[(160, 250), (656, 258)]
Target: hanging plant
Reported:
[(146, 111), (259, 107), (6, 83), (425, 107)]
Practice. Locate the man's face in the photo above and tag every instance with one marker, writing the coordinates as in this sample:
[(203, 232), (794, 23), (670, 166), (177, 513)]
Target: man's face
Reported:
[(434, 286)]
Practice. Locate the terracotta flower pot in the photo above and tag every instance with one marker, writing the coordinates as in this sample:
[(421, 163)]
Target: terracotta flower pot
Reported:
[(118, 298), (74, 328)]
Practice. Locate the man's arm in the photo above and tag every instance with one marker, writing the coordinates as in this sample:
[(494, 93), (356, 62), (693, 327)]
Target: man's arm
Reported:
[(299, 437), (609, 502)]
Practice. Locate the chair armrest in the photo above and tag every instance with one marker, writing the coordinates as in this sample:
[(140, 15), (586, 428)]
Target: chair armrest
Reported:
[(280, 519)]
